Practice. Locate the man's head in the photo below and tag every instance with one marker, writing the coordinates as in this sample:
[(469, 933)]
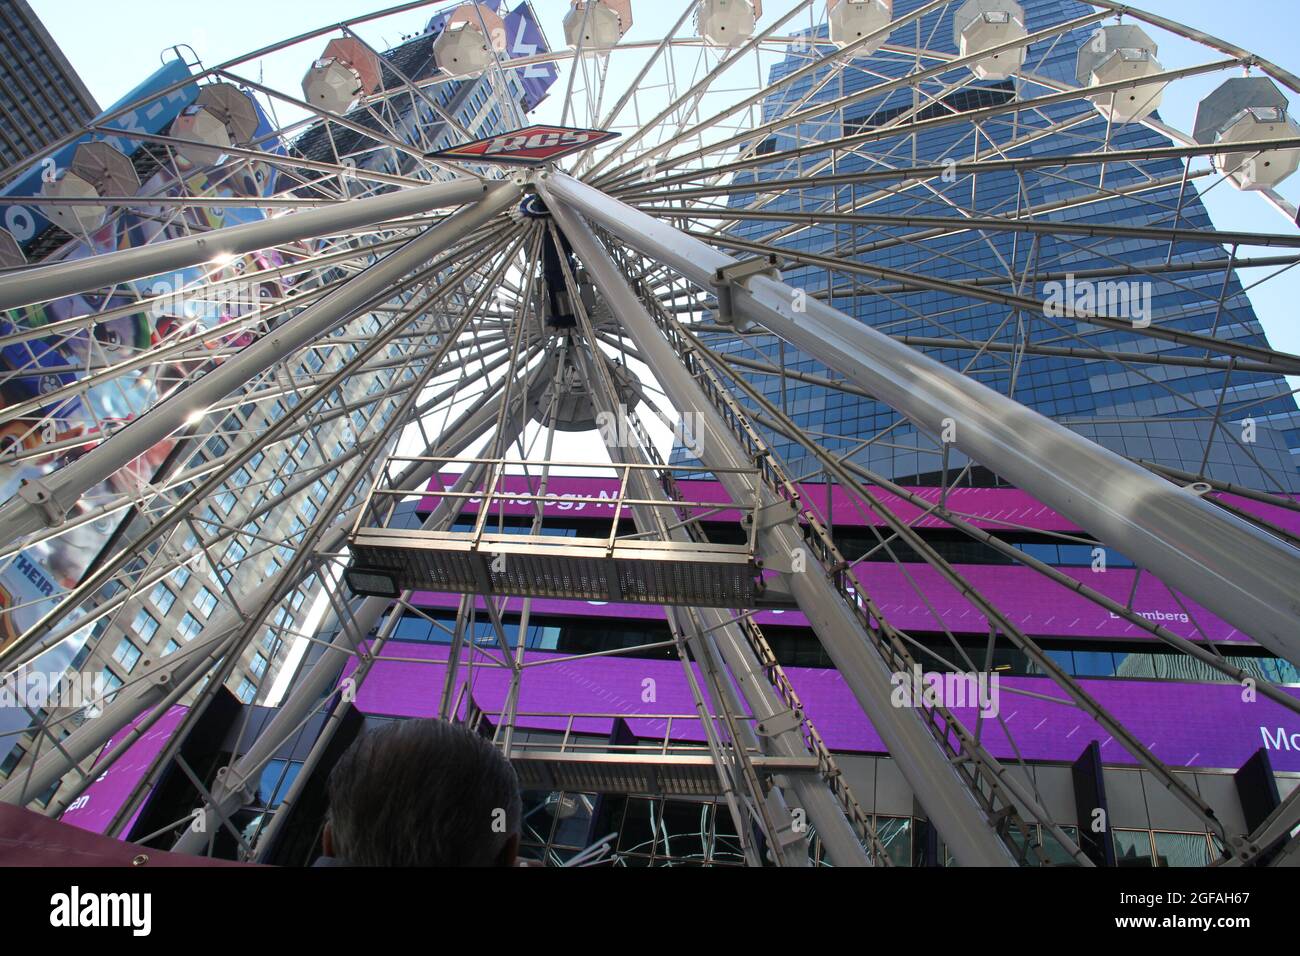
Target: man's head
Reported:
[(423, 793)]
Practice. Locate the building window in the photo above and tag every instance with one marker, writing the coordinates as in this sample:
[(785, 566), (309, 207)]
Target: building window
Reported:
[(127, 654), (205, 601), (171, 648), (145, 625), (162, 597), (277, 778), (111, 683), (12, 760), (1182, 849), (189, 626), (258, 666), (1132, 848), (247, 691)]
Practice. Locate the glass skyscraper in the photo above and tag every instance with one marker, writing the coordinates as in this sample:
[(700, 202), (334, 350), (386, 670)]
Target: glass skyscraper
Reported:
[(1111, 403)]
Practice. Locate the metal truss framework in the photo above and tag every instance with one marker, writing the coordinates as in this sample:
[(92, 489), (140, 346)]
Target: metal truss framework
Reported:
[(423, 282)]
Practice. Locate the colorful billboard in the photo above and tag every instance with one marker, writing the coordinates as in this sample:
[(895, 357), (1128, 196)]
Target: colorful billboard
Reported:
[(1032, 602), (95, 808), (41, 403), (26, 222), (523, 37), (1186, 725)]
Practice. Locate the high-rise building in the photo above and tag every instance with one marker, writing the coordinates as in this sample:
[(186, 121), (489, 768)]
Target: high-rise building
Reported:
[(42, 99), (1164, 414)]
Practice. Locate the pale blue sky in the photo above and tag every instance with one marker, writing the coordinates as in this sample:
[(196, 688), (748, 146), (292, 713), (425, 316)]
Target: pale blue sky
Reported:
[(116, 44)]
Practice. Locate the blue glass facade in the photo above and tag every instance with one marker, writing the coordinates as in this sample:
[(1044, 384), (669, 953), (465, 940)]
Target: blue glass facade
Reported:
[(1111, 403)]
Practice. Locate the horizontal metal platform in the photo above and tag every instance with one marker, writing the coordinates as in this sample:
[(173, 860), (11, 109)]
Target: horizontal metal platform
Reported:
[(681, 775), (628, 571)]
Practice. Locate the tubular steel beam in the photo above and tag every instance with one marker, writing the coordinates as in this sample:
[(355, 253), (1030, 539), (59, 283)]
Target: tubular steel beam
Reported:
[(43, 504), (1238, 572), (935, 781), (73, 276), (715, 639)]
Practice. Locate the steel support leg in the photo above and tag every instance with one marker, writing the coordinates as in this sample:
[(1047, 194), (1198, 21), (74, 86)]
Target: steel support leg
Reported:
[(942, 792), (1242, 574)]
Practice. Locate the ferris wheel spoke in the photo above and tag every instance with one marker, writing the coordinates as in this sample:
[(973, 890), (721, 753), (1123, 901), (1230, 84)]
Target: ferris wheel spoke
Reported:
[(75, 276), (948, 225), (818, 60), (731, 59), (852, 142), (1001, 623), (681, 190), (112, 454), (793, 119), (227, 464), (1280, 362)]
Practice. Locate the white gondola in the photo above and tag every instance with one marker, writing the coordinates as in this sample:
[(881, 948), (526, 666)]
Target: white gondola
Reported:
[(727, 22), (469, 39), (1249, 109), (11, 254), (1117, 53), (346, 71), (983, 24), (851, 20), (222, 116), (97, 169), (597, 24)]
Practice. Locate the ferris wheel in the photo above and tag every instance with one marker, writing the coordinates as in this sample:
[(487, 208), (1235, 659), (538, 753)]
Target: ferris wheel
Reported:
[(412, 275)]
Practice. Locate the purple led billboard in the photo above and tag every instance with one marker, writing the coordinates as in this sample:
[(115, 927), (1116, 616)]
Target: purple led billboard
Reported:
[(1185, 725), (1038, 606), (1206, 726), (94, 809), (988, 508)]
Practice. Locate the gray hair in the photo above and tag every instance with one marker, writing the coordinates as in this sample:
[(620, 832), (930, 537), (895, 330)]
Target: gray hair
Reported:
[(423, 792)]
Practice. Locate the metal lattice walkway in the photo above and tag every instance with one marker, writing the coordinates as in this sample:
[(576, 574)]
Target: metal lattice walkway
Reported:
[(629, 572)]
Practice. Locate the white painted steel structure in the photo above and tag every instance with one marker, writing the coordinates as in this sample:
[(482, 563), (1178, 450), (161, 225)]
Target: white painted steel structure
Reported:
[(451, 260)]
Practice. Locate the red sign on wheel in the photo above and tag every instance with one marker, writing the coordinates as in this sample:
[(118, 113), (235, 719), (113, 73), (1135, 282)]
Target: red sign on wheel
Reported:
[(532, 145)]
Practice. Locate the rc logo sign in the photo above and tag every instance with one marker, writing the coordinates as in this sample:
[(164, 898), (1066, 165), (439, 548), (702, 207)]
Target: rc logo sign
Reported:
[(531, 145)]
